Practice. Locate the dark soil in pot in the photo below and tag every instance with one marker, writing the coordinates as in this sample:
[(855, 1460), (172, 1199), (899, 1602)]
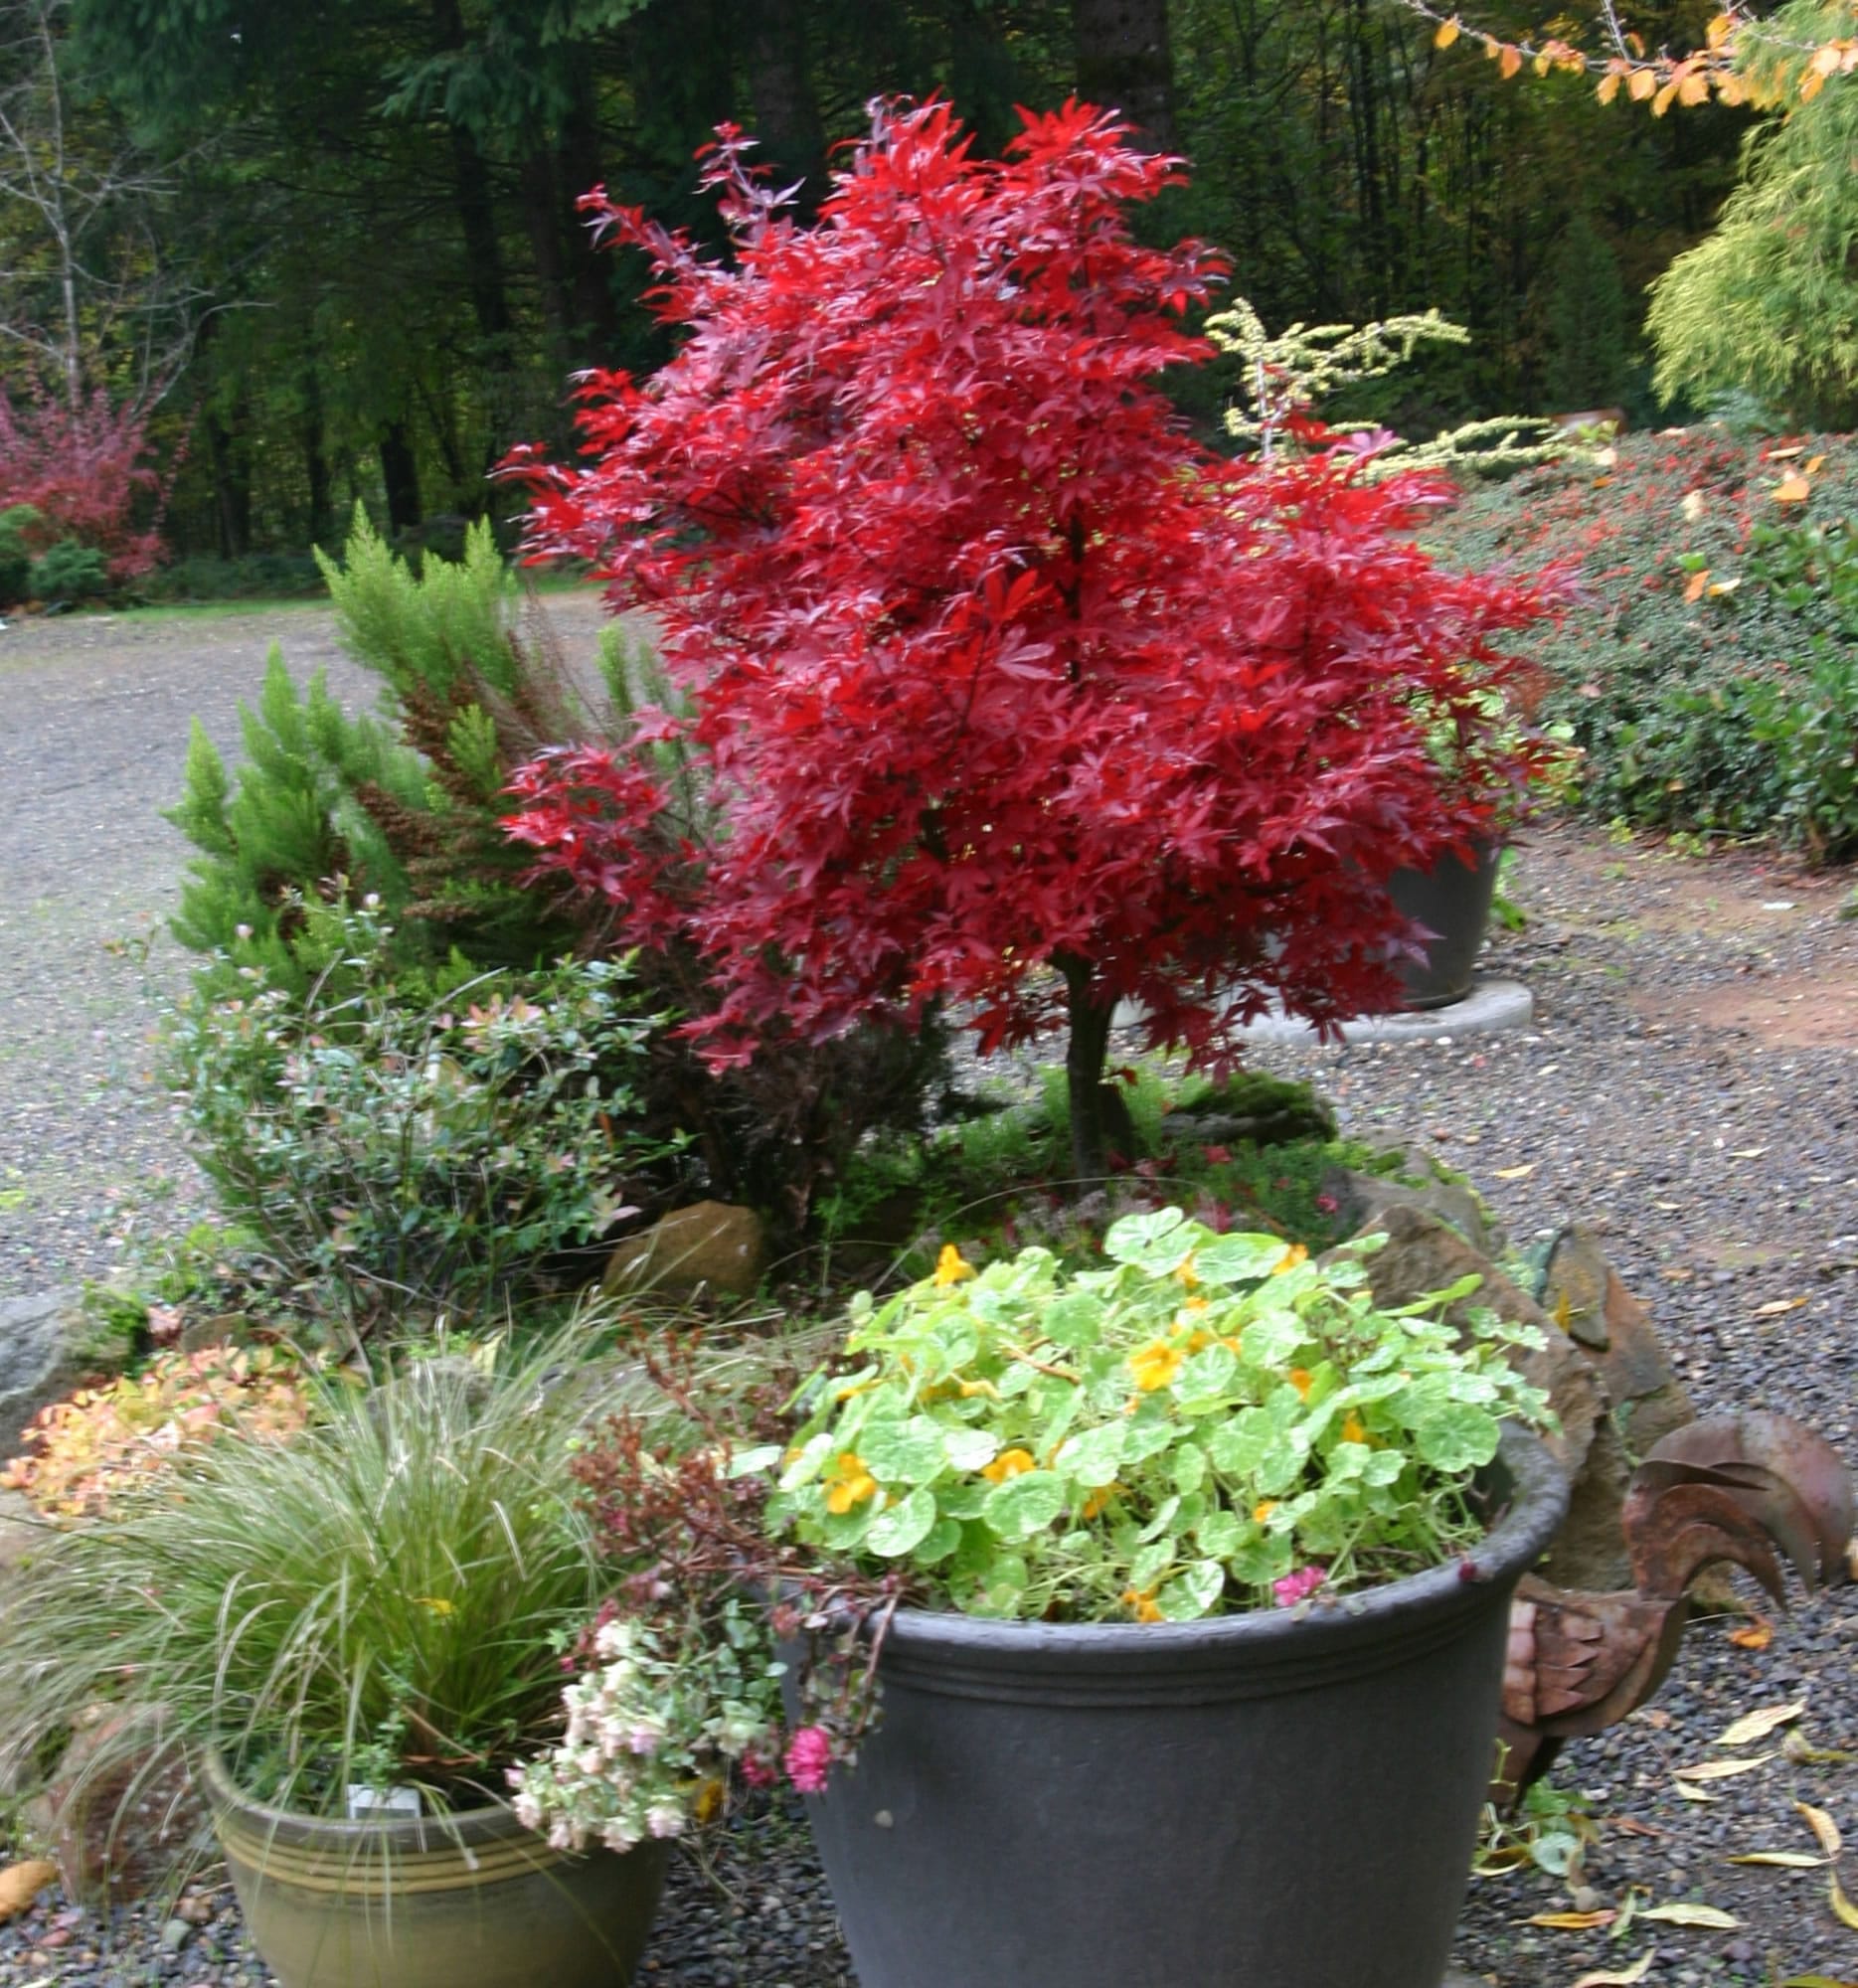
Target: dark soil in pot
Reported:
[(1266, 1801)]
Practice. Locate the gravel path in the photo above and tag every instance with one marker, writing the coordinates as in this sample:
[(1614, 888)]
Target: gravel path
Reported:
[(1690, 1087)]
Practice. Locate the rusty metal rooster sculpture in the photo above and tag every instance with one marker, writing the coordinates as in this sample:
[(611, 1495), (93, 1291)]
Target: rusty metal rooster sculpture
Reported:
[(1731, 1488)]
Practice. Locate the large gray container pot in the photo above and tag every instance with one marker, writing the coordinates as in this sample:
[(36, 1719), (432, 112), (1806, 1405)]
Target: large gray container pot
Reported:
[(1451, 900), (1268, 1800)]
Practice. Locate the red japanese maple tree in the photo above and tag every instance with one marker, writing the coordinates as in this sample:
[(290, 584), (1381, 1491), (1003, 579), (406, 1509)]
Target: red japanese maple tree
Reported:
[(1014, 695)]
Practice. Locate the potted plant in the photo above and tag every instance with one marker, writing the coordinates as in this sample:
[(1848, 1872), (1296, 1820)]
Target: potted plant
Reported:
[(347, 1635), (1183, 1585)]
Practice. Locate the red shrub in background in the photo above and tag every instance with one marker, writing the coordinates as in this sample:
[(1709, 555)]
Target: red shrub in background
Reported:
[(996, 668), (80, 469)]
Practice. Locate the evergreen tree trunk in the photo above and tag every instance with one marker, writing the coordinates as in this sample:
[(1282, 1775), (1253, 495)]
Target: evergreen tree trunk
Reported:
[(787, 111), (228, 449), (478, 220), (316, 462), (582, 168), (536, 184), (399, 471), (1125, 62)]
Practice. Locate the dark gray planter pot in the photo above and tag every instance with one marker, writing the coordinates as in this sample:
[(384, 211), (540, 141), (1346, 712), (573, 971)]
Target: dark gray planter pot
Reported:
[(1271, 1801), (1452, 902)]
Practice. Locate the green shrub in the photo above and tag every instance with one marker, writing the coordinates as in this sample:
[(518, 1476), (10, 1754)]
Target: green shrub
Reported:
[(1701, 665), (407, 807), (455, 1156), (68, 571), (17, 522), (250, 577)]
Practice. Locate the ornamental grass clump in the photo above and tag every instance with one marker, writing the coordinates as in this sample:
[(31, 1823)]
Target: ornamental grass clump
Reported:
[(380, 1599)]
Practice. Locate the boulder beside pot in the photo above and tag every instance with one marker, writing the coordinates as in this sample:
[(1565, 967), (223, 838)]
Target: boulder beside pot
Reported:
[(1276, 1799), (469, 1901)]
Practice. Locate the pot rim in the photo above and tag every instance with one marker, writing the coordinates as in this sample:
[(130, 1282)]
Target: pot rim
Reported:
[(465, 1828), (1538, 1492)]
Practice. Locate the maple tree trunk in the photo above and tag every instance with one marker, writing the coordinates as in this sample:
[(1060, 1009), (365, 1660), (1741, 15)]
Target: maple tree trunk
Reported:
[(1086, 1052), (786, 112)]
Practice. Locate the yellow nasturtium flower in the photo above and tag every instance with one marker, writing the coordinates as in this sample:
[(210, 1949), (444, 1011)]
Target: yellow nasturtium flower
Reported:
[(1263, 1510), (1291, 1257), (1099, 1499), (1009, 1463), (1143, 1602), (1185, 1273), (1353, 1429), (952, 1266), (1155, 1364), (850, 1483)]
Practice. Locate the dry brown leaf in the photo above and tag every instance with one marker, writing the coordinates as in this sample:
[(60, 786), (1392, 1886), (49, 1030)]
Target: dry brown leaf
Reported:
[(1620, 1977), (1776, 1306), (1695, 1794), (1723, 1771), (1711, 1918), (1516, 1173), (20, 1883), (1719, 588), (1787, 1860), (1573, 1922), (1798, 1749), (1747, 1152), (1812, 465), (1847, 1912), (1756, 1635), (1698, 582), (1753, 1726), (1821, 1825), (1792, 450), (1792, 488)]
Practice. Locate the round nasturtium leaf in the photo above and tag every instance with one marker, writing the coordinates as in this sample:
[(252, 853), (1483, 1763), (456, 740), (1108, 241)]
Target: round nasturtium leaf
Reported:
[(909, 1452), (900, 1528), (1025, 1505)]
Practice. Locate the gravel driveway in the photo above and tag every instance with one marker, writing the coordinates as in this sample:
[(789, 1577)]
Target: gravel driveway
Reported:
[(1690, 1086)]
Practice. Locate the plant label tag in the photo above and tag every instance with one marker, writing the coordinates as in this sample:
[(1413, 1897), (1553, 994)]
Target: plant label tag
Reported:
[(366, 1803)]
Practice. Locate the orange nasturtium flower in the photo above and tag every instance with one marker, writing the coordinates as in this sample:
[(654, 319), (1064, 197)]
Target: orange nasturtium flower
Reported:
[(1099, 1499), (1142, 1601), (1263, 1510), (1155, 1364), (1300, 1378), (851, 1483), (1353, 1429), (1009, 1463), (952, 1266), (1291, 1257)]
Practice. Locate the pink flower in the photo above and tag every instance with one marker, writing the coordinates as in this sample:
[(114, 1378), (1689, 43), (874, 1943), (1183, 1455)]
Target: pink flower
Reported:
[(809, 1758), (1299, 1586), (1328, 1202), (758, 1771)]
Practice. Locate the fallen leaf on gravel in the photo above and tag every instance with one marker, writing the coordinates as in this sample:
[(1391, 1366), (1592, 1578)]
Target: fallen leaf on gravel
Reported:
[(1573, 1922), (1630, 1825), (1620, 1977), (1758, 1725), (1708, 1916), (1798, 1749), (1821, 1825), (1747, 1152), (1516, 1173), (1792, 488), (1787, 1859), (20, 1883), (1723, 1771), (1756, 1635), (1695, 1794), (1778, 1305), (1815, 1981), (1842, 1906)]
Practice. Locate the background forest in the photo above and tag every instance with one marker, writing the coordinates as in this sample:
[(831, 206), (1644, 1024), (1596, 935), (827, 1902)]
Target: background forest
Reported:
[(329, 248)]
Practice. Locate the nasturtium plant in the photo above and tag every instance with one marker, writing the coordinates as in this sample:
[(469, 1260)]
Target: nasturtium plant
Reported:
[(1208, 1423)]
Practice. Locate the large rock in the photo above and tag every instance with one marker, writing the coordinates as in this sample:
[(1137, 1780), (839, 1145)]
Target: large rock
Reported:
[(709, 1247), (1424, 1252), (39, 1363), (1604, 1371), (21, 1530), (1362, 1199)]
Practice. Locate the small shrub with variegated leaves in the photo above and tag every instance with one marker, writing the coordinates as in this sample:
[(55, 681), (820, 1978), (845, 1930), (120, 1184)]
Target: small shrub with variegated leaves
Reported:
[(1210, 1423), (81, 1453)]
